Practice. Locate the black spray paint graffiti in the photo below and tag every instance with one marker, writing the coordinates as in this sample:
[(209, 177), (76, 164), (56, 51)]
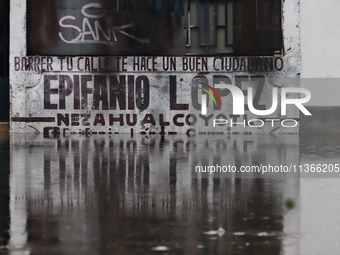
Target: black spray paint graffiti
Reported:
[(87, 28)]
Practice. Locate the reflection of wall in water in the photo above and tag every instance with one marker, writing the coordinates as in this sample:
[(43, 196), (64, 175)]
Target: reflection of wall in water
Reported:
[(4, 191), (79, 188)]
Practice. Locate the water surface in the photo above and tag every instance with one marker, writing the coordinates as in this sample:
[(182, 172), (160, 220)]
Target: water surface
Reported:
[(141, 195)]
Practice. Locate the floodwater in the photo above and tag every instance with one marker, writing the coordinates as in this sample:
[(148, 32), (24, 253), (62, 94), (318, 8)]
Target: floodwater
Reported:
[(143, 195)]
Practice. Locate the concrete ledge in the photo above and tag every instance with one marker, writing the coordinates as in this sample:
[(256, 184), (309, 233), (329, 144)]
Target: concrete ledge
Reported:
[(324, 120)]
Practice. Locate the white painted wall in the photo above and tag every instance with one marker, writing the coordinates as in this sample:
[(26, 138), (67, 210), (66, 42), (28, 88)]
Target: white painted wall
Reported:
[(29, 113), (320, 51), (320, 36)]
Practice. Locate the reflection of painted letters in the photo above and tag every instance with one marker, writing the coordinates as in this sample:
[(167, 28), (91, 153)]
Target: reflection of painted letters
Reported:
[(87, 28)]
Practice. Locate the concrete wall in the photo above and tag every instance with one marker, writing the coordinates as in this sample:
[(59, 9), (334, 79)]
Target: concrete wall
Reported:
[(320, 53), (319, 29), (320, 34), (36, 107)]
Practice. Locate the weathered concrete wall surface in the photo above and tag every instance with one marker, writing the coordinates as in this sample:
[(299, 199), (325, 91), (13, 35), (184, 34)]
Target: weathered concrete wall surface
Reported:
[(107, 94)]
